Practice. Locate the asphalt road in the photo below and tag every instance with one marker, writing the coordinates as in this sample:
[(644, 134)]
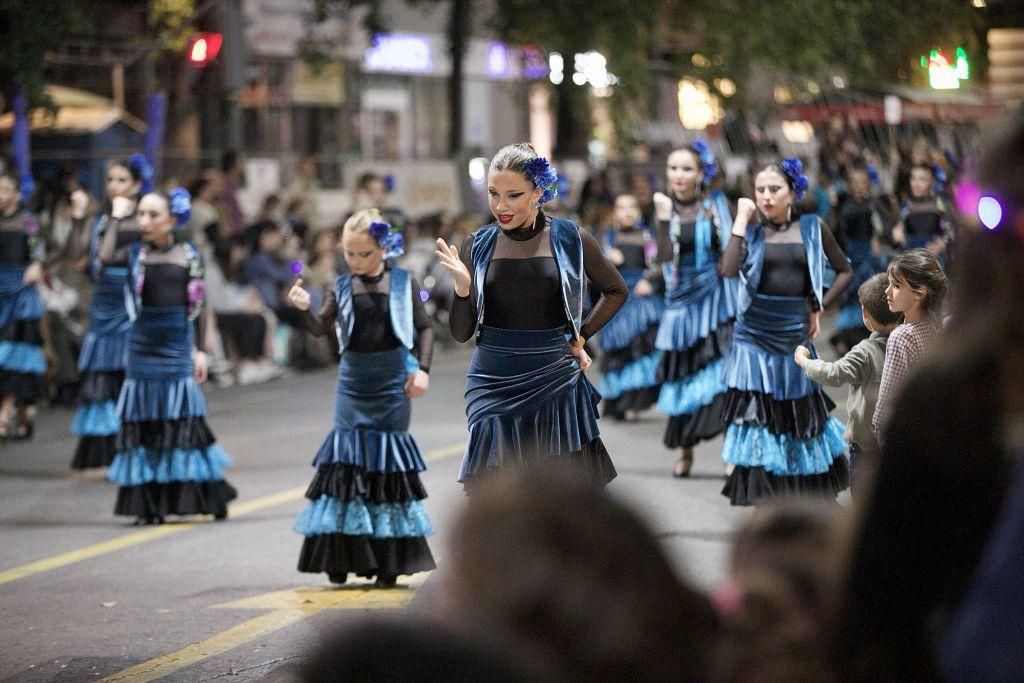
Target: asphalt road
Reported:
[(85, 596)]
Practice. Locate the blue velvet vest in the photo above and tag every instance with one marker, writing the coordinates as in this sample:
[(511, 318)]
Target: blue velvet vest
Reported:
[(750, 273), (567, 248), (399, 308)]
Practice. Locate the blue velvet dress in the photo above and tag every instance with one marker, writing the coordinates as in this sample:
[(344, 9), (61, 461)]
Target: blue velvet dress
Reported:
[(22, 363)]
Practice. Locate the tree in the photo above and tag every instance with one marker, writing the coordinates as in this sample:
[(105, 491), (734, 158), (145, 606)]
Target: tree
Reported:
[(28, 30)]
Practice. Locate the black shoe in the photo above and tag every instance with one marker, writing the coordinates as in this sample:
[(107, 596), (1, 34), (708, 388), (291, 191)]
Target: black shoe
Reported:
[(221, 516), (386, 581), (683, 465), (338, 579)]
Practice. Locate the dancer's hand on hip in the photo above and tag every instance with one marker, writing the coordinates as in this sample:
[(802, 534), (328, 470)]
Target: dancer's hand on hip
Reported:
[(298, 297), (417, 384), (576, 348), (814, 324), (449, 256), (200, 366)]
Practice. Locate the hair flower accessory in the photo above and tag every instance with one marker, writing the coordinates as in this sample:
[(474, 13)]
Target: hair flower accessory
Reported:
[(794, 170), (707, 159), (180, 204), (873, 174), (940, 178), (388, 239), (140, 165), (539, 170)]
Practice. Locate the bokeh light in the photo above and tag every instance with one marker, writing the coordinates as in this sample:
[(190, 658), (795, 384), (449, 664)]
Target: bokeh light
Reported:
[(990, 212)]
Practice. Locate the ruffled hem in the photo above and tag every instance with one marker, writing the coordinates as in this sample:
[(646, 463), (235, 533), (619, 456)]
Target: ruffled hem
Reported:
[(143, 400), (371, 451), (23, 303), (175, 498), (95, 387), (780, 454), (635, 317), (677, 365), (94, 451), (26, 388), (356, 517), (166, 435), (20, 357), (753, 486), (142, 466), (96, 419), (637, 400), (682, 327), (749, 367), (640, 374), (801, 418), (346, 482), (689, 395), (642, 345), (103, 353), (559, 426), (686, 431), (337, 554), (591, 462)]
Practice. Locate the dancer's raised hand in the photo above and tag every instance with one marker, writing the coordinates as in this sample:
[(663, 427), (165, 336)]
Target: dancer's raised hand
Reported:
[(449, 256), (662, 206), (298, 297)]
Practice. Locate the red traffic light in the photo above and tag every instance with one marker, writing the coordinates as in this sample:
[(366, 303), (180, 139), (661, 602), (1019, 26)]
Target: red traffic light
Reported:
[(204, 48)]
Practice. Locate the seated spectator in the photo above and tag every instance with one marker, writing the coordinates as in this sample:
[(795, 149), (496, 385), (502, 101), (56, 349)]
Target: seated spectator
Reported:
[(568, 574)]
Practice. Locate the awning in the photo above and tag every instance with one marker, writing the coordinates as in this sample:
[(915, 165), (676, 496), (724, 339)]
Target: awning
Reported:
[(78, 112)]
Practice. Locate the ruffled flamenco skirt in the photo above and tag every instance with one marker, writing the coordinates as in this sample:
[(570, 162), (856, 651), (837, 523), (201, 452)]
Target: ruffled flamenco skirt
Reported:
[(364, 514), (167, 459), (22, 362), (781, 439), (101, 368), (629, 359), (527, 401), (850, 323), (693, 338)]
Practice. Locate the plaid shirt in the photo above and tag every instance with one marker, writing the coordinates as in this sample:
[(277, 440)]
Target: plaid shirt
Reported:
[(906, 345)]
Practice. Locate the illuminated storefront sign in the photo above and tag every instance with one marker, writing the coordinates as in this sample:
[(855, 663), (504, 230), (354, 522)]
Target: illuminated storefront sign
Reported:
[(401, 52)]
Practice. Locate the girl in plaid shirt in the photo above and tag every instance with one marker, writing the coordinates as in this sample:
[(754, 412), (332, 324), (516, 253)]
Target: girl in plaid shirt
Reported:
[(917, 286)]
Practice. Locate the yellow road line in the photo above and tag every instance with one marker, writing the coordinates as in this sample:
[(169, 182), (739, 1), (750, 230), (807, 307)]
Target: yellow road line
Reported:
[(290, 607), (113, 545)]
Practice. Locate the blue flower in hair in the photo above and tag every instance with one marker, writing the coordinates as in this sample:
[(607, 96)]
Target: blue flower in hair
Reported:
[(140, 165), (539, 170), (794, 170), (707, 159), (180, 204), (389, 182), (940, 178), (387, 239), (873, 174), (380, 231), (396, 245)]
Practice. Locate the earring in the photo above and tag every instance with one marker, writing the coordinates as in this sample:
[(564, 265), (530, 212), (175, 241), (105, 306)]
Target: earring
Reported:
[(789, 213)]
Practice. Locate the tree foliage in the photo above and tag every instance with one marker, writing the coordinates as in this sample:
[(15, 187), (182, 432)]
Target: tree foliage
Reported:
[(28, 30)]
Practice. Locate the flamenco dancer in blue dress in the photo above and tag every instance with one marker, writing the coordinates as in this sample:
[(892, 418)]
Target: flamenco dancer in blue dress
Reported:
[(105, 346), (167, 461), (860, 231), (781, 439), (629, 361), (519, 287), (22, 363), (700, 305), (364, 513)]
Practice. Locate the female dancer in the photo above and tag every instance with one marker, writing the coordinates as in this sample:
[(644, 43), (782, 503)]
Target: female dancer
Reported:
[(167, 461), (860, 229), (629, 361), (924, 221), (780, 438), (104, 349), (519, 287), (22, 362), (364, 513), (700, 304)]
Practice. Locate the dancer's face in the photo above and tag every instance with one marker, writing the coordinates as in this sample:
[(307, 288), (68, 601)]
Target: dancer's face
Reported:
[(684, 174), (627, 211), (513, 198), (900, 296), (155, 219), (9, 194), (772, 195), (921, 183), (361, 252), (120, 182)]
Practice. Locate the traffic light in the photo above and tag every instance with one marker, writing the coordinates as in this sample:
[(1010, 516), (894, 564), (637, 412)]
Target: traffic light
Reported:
[(203, 48)]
